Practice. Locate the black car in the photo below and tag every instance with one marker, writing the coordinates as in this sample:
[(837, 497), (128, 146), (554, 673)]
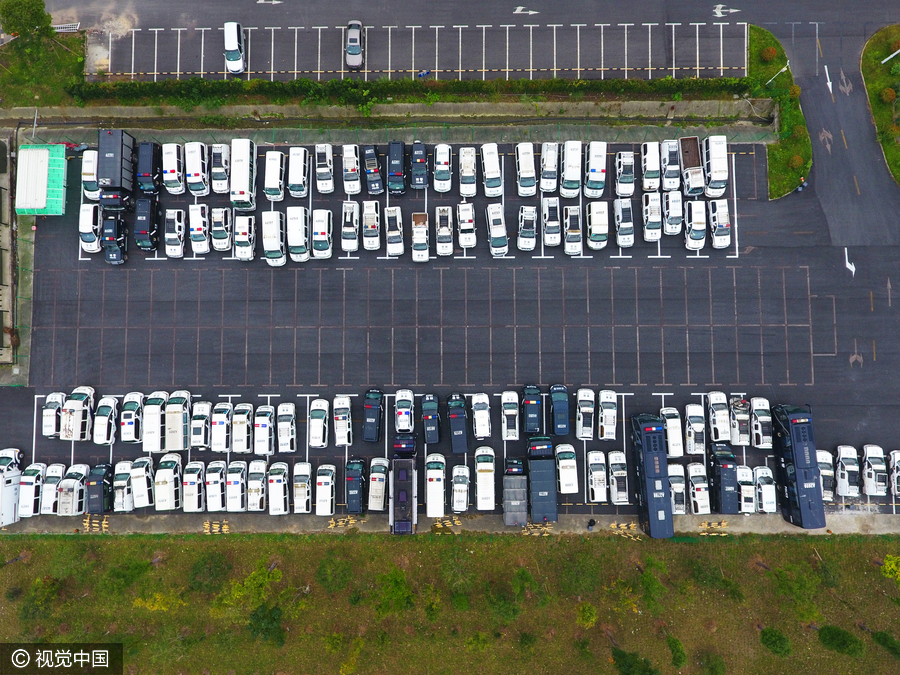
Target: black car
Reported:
[(431, 419), (374, 182), (114, 240), (100, 489), (373, 412), (514, 466), (419, 166), (405, 445), (356, 485), (559, 409), (459, 429), (396, 168), (146, 224), (531, 409)]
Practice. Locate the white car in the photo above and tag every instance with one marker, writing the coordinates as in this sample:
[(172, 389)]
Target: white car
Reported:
[(699, 489), (694, 429), (443, 168), (350, 227), (527, 238), (739, 421), (194, 487), (324, 158), (608, 415), (596, 462), (379, 468), (50, 414), (351, 175), (719, 427), (498, 238), (694, 226), (173, 233), (847, 471), (624, 174), (584, 414), (220, 229), (566, 469), (199, 228), (509, 405), (677, 489), (264, 430), (459, 484), (765, 490), (895, 473), (597, 225), (123, 494), (302, 487), (257, 484), (131, 417), (826, 474), (481, 416), (31, 485), (623, 215), (618, 478), (245, 238), (286, 419), (760, 423), (573, 241), (72, 497), (468, 183), (322, 228), (393, 231), (201, 414), (142, 480), (404, 410), (485, 471), (875, 477), (89, 228), (550, 217), (279, 489), (215, 486), (318, 423), (719, 223), (220, 439), (236, 487), (105, 421), (242, 429), (325, 479), (465, 222), (443, 230), (674, 445), (435, 480), (49, 491), (746, 489)]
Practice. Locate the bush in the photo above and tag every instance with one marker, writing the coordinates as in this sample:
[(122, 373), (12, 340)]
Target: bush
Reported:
[(478, 642), (895, 45), (582, 646), (895, 69), (502, 605), (587, 615), (795, 162), (794, 91), (629, 663), (334, 572), (456, 571), (775, 641), (460, 602), (209, 572), (709, 575), (768, 54), (799, 582), (712, 664), (843, 642), (889, 642), (653, 589), (523, 584), (527, 640), (799, 132), (894, 131), (394, 592), (39, 599), (888, 95), (119, 578), (891, 566), (679, 656)]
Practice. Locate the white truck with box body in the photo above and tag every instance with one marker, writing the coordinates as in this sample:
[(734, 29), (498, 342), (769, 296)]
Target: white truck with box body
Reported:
[(485, 470), (691, 166), (420, 237), (371, 225), (715, 165), (178, 421), (10, 477)]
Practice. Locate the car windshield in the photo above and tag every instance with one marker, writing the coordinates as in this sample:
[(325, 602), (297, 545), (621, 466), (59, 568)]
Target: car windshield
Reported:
[(323, 173), (442, 172), (498, 242), (573, 236), (434, 465), (233, 54), (627, 175), (527, 181), (88, 237), (698, 234), (317, 415), (492, 182), (571, 184), (166, 465), (320, 245), (467, 178), (566, 455), (104, 411), (353, 48)]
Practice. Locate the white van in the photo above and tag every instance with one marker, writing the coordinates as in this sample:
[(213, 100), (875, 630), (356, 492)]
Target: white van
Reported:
[(199, 228), (298, 233), (490, 168), (220, 432), (236, 487), (597, 225), (167, 483), (526, 181), (264, 431), (274, 179), (485, 471), (196, 168), (89, 228), (273, 238), (142, 476), (570, 185), (256, 485), (651, 209), (173, 168), (350, 165), (242, 428), (595, 169), (549, 166), (219, 167), (234, 47), (468, 184), (650, 166), (435, 477), (715, 165), (325, 490), (301, 482), (89, 183), (673, 212), (378, 483), (154, 422), (178, 421), (298, 172)]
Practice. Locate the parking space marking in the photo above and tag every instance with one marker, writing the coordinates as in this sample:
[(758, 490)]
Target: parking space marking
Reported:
[(202, 50), (554, 26), (133, 31), (459, 51), (626, 25), (436, 45), (650, 49), (746, 43), (578, 27), (531, 27), (178, 53), (319, 52), (483, 58), (389, 71), (507, 27), (673, 45), (155, 50), (249, 30), (697, 39), (734, 221), (272, 53), (412, 69), (602, 49), (721, 49)]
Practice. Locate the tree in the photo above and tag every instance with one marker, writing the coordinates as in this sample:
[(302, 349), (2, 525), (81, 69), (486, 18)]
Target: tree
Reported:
[(891, 567), (27, 19)]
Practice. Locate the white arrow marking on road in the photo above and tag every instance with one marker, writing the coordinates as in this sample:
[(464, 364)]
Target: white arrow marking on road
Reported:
[(850, 265), (522, 10), (889, 291), (828, 80), (268, 2), (719, 11)]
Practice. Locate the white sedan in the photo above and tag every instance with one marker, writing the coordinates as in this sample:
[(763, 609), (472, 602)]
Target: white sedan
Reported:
[(404, 405), (481, 416), (608, 415), (596, 462), (719, 425), (509, 404)]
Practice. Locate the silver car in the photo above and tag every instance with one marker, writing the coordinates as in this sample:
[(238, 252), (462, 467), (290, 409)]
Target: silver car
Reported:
[(355, 45)]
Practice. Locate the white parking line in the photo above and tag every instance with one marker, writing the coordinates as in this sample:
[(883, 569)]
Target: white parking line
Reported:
[(307, 397), (202, 48), (249, 34), (483, 62), (554, 26), (578, 27), (412, 70), (178, 57), (649, 49), (389, 71), (734, 221), (531, 27), (272, 54), (133, 31), (746, 43), (673, 45), (319, 52), (626, 25), (295, 29), (34, 428), (155, 49), (459, 51), (507, 27), (721, 47), (697, 40), (659, 251), (436, 44), (602, 51)]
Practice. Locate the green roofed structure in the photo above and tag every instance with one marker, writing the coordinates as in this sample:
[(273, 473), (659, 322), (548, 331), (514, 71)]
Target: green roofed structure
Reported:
[(41, 180)]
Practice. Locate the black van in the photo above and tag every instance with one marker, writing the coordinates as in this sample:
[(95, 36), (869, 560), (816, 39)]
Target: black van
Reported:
[(431, 419), (149, 168), (373, 411), (100, 489), (459, 428), (356, 485), (146, 224), (531, 408), (723, 479), (396, 168)]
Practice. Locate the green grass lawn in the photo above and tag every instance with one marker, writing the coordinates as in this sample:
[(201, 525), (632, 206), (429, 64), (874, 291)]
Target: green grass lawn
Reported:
[(34, 75), (783, 178), (877, 78), (443, 604)]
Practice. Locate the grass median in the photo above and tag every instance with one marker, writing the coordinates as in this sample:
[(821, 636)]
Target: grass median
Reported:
[(882, 82), (506, 604), (39, 74)]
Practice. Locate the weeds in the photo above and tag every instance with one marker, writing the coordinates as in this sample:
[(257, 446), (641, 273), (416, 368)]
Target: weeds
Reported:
[(394, 593), (888, 641), (334, 572), (775, 641), (798, 582), (209, 572), (679, 656), (841, 641)]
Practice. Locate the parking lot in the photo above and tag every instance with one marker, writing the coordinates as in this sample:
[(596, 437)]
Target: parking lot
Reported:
[(460, 51)]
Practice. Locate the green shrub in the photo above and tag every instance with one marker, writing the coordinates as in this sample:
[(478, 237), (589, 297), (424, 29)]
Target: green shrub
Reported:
[(799, 582), (841, 641), (460, 602), (795, 162), (891, 568), (582, 647), (523, 583), (39, 599), (887, 641), (13, 593), (775, 641), (209, 572), (333, 642), (265, 623), (478, 642), (712, 664), (502, 605), (794, 91), (527, 640), (679, 656), (587, 615), (629, 663), (651, 587), (119, 578), (711, 576), (895, 69), (394, 593), (768, 54), (457, 572), (334, 572)]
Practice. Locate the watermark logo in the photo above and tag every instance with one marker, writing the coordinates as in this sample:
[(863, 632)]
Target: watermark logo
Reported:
[(61, 659)]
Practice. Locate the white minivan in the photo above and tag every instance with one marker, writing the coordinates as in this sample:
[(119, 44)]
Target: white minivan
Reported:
[(485, 472), (273, 238), (650, 166), (89, 184), (196, 168), (570, 185), (490, 169), (526, 181), (435, 475), (298, 233), (549, 166), (274, 179), (325, 490), (378, 483), (298, 172), (173, 168), (595, 169)]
